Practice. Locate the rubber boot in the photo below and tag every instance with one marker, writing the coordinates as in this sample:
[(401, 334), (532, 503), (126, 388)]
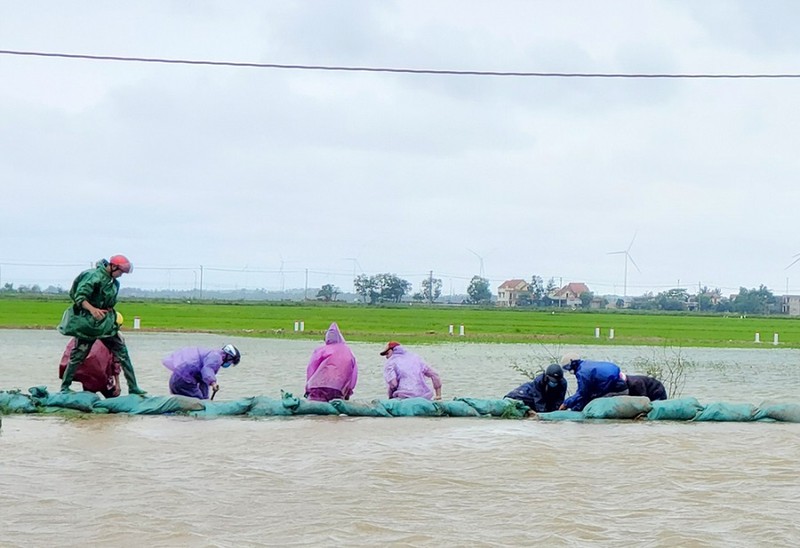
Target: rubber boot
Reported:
[(69, 374), (130, 378)]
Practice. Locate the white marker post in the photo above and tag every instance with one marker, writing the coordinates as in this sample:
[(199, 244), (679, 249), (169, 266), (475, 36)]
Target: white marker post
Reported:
[(302, 325), (596, 332), (461, 330), (450, 330), (137, 322), (610, 333), (775, 339), (296, 325), (758, 337)]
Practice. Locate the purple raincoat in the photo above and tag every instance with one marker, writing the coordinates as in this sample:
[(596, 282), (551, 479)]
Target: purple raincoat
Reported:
[(332, 371), (193, 370), (405, 374)]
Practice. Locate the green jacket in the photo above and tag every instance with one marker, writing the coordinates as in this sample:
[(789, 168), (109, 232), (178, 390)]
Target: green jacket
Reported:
[(100, 289)]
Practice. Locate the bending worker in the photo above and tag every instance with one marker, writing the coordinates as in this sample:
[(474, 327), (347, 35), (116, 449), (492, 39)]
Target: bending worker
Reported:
[(643, 385), (92, 317), (194, 370), (332, 372), (595, 380), (545, 393), (405, 374), (99, 372)]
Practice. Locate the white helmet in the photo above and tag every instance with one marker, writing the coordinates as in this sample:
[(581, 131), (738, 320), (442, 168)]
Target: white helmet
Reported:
[(232, 355)]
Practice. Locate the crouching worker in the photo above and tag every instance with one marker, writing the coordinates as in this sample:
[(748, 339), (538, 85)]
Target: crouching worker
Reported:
[(405, 374), (642, 385), (194, 370), (545, 393), (98, 372), (595, 380), (332, 372)]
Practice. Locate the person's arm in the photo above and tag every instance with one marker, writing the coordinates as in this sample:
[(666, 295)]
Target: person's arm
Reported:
[(390, 376), (539, 405), (353, 380), (429, 372)]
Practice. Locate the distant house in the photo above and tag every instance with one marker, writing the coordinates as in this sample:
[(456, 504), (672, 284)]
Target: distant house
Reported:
[(570, 294), (509, 291), (790, 304)]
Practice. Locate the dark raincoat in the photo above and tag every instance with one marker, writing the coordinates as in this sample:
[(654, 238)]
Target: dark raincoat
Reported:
[(99, 288)]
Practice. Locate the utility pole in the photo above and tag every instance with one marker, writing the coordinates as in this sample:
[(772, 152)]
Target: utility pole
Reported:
[(305, 293), (430, 287), (201, 282)]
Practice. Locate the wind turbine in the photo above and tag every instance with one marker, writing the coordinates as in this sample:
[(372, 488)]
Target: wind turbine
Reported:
[(628, 257), (481, 262)]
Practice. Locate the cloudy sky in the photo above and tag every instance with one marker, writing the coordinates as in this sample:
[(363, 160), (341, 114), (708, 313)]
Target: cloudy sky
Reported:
[(262, 175)]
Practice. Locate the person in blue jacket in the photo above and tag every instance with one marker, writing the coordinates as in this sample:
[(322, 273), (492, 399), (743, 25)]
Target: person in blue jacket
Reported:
[(545, 393), (595, 380)]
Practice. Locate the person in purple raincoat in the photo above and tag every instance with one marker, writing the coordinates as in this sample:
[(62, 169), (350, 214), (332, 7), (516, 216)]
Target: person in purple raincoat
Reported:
[(332, 372), (405, 374), (194, 370)]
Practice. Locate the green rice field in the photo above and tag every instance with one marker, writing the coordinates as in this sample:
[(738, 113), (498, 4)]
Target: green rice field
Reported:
[(421, 323)]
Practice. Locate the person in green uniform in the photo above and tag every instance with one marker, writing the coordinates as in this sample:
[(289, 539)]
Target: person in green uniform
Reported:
[(92, 317)]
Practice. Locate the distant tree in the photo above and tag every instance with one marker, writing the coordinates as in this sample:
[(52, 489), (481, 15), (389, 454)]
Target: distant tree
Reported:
[(672, 299), (586, 299), (537, 288), (8, 287), (328, 292), (478, 291), (551, 287), (754, 301), (431, 289), (391, 288), (366, 287), (417, 297)]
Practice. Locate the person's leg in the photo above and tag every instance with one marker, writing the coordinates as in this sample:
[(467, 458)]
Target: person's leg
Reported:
[(76, 357), (117, 347), (181, 387)]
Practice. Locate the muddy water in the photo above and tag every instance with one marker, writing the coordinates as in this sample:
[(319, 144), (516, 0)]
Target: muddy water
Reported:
[(339, 481)]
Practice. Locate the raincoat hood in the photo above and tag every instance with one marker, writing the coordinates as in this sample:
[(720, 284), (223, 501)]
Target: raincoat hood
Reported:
[(333, 335)]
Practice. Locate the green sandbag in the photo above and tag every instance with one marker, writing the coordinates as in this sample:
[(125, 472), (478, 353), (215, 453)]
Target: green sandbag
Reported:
[(224, 408), (154, 405), (683, 409), (617, 407), (412, 407), (120, 404), (360, 409), (303, 406), (14, 401), (161, 405), (268, 407), (565, 415), (727, 412), (82, 401), (458, 408), (506, 408), (784, 412)]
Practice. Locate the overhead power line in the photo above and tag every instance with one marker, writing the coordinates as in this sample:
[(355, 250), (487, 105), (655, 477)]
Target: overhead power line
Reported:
[(444, 72)]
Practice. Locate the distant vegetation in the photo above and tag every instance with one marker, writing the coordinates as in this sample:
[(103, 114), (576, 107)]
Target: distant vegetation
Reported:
[(418, 323)]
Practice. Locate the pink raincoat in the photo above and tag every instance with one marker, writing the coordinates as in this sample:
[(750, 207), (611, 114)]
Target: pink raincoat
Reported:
[(405, 374), (332, 371)]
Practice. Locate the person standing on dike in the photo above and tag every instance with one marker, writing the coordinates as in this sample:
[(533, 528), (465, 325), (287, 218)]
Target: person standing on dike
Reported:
[(92, 317)]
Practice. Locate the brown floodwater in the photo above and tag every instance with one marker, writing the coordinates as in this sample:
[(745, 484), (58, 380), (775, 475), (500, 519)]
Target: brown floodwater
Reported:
[(344, 481)]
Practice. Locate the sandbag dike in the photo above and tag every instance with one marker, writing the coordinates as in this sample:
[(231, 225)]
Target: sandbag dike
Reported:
[(39, 400)]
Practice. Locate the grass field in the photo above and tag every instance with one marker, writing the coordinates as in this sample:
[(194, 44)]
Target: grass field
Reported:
[(420, 324)]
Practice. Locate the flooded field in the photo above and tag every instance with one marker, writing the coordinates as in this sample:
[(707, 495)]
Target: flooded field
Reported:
[(341, 481)]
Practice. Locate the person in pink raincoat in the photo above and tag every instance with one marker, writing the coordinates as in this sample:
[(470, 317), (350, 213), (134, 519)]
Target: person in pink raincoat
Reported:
[(405, 374), (332, 371)]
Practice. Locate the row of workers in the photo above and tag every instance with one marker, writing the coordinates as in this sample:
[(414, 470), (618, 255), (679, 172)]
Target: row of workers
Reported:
[(332, 373), (97, 354)]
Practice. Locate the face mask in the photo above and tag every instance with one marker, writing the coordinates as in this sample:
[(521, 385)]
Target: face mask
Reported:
[(552, 384)]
